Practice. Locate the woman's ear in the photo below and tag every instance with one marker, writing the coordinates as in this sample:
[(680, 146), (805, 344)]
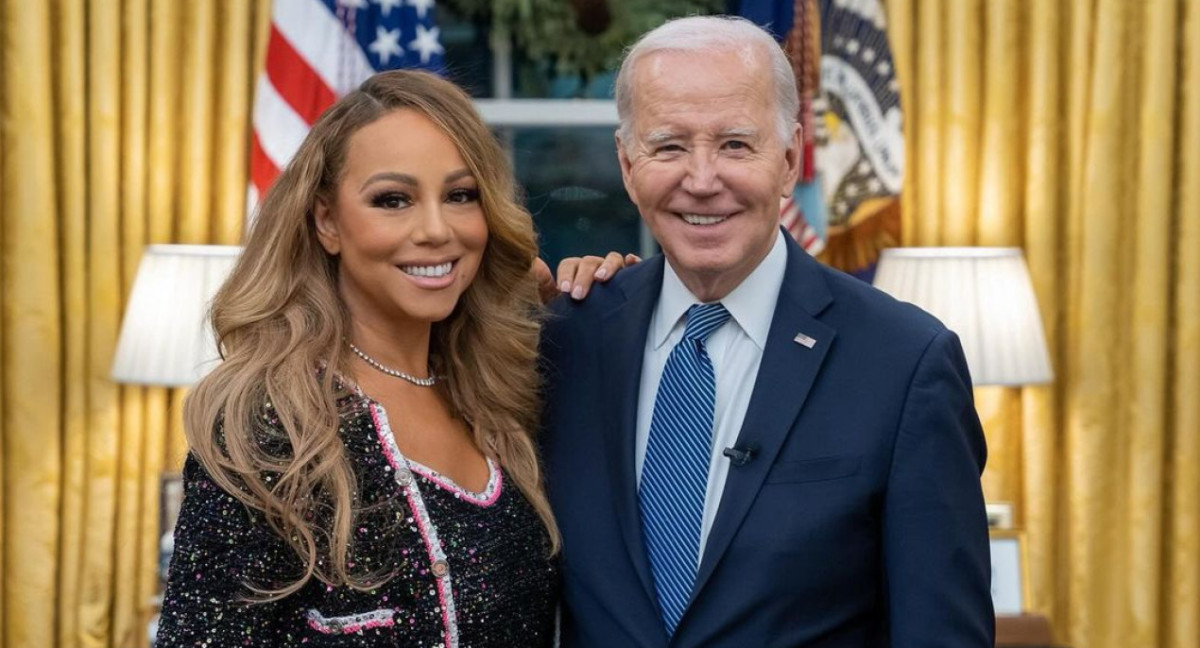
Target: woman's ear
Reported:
[(327, 229)]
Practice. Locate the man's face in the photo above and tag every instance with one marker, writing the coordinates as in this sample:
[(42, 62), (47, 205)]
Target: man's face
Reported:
[(706, 167)]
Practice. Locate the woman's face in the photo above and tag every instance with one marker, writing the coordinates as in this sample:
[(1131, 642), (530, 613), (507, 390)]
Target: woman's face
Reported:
[(406, 223)]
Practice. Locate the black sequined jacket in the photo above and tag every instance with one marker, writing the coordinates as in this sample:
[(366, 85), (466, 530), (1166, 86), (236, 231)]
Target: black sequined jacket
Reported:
[(470, 568)]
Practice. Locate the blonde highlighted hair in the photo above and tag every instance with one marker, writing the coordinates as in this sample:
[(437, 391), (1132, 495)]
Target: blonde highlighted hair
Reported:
[(279, 318)]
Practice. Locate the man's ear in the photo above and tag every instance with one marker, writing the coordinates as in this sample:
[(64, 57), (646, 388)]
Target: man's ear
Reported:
[(626, 168), (327, 229), (793, 157)]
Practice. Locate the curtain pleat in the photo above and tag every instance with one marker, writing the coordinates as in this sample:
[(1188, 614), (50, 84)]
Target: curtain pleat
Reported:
[(104, 317), (1094, 435), (153, 465), (1001, 163), (163, 136), (196, 129), (3, 313), (32, 312), (71, 107), (901, 16), (234, 95), (1150, 317), (1044, 200), (1182, 597), (132, 608), (961, 123), (925, 180)]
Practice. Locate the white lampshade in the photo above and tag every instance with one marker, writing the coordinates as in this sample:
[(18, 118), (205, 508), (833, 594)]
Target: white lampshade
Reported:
[(165, 337), (982, 294)]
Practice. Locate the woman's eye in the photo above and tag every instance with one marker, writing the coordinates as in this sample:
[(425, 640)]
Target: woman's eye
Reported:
[(463, 196), (390, 200), (736, 145), (669, 148)]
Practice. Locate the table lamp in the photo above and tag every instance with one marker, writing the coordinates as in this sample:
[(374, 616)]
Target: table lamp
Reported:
[(984, 294), (165, 337)]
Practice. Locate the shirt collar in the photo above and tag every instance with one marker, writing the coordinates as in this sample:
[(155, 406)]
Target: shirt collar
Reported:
[(751, 304)]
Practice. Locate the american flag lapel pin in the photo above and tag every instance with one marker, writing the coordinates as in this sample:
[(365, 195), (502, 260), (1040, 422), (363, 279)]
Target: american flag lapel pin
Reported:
[(806, 341)]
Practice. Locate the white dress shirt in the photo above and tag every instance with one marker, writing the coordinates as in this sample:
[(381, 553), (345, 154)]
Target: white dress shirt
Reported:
[(735, 349)]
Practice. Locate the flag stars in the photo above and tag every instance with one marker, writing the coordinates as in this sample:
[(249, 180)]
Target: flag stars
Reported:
[(421, 6), (386, 44), (426, 43), (386, 6)]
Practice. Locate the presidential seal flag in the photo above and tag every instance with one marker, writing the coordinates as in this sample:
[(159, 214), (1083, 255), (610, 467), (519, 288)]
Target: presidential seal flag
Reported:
[(319, 50), (859, 136), (846, 206)]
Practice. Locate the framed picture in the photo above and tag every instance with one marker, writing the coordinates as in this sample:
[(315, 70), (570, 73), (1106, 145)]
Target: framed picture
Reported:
[(1000, 515), (1010, 572)]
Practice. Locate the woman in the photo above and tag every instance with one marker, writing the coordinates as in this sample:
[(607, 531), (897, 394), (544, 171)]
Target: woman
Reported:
[(362, 471)]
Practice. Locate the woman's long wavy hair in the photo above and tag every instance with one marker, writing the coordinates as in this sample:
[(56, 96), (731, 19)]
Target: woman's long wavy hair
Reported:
[(279, 319)]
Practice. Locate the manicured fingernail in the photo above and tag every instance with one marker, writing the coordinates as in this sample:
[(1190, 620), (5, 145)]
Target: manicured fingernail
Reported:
[(578, 292), (565, 286), (602, 273)]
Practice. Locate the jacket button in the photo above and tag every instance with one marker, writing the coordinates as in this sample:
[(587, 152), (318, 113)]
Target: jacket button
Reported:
[(440, 568)]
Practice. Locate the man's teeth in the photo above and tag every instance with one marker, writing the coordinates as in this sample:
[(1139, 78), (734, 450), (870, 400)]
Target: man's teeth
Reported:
[(428, 271), (697, 219)]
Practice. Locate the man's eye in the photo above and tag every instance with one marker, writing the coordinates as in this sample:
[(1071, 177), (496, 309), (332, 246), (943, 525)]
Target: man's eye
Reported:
[(668, 148), (463, 196), (736, 145), (390, 200)]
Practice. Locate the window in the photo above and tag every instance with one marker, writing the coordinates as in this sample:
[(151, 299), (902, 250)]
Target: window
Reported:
[(558, 131)]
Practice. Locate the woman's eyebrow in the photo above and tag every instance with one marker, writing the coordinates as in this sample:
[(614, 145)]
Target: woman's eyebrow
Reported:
[(402, 178), (457, 175)]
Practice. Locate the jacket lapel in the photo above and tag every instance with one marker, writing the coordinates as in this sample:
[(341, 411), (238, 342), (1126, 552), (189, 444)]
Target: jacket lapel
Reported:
[(788, 370), (623, 332)]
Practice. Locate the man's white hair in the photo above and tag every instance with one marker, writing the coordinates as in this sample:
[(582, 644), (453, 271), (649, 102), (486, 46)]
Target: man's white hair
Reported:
[(710, 34)]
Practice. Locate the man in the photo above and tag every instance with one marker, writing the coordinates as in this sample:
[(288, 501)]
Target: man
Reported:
[(743, 447)]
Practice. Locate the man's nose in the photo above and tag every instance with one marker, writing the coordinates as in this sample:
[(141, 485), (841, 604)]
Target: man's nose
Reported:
[(702, 177)]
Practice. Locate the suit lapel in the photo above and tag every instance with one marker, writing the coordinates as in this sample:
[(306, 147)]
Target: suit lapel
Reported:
[(623, 333), (786, 374)]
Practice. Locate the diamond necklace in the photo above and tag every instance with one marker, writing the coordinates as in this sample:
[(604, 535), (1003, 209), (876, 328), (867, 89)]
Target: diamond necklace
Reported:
[(395, 373)]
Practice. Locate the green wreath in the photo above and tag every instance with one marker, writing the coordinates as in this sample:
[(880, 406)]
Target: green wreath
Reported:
[(584, 36)]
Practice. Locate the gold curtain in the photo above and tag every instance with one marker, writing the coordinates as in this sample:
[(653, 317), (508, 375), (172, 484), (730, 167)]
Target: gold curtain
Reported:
[(1072, 129), (121, 124)]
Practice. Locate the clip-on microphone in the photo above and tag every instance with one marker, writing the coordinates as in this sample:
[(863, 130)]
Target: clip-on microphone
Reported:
[(740, 456)]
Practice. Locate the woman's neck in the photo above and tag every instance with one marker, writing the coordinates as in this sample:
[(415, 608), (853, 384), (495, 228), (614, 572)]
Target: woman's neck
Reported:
[(402, 348)]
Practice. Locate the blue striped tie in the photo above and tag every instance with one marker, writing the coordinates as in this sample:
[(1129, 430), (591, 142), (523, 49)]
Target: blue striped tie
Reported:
[(675, 470)]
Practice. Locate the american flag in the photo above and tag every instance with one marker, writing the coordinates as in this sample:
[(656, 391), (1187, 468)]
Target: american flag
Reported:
[(319, 50)]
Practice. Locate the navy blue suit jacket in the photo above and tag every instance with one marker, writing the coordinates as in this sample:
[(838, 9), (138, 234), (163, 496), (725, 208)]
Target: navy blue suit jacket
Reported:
[(859, 520)]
